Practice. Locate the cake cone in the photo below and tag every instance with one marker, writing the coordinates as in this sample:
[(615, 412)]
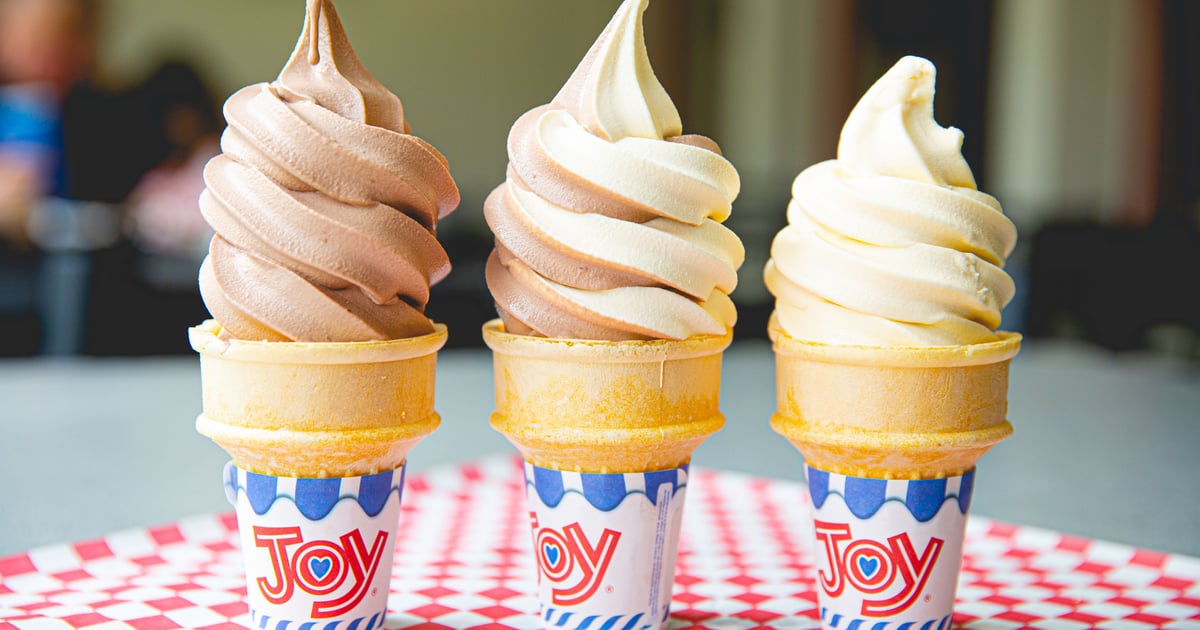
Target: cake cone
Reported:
[(317, 409), (607, 429), (892, 412), (318, 433), (890, 437), (606, 406)]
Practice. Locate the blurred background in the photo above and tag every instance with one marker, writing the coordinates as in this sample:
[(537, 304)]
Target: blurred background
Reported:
[(1079, 116)]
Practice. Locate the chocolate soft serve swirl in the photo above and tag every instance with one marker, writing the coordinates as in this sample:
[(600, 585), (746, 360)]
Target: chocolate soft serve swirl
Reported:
[(609, 225), (891, 244), (324, 204)]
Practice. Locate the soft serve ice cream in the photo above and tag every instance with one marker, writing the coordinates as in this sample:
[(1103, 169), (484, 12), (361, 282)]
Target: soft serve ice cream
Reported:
[(891, 244), (324, 204), (609, 225)]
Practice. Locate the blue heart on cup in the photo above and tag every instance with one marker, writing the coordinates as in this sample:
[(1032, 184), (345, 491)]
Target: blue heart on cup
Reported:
[(551, 554), (868, 566), (320, 567)]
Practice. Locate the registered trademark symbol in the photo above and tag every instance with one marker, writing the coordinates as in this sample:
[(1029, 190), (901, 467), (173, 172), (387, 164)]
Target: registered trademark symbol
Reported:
[(927, 599), (608, 589), (375, 592)]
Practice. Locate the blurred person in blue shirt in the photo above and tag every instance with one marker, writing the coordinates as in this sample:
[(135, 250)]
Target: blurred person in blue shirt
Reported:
[(46, 48)]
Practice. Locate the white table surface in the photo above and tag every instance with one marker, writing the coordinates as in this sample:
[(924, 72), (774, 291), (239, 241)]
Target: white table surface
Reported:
[(1106, 446)]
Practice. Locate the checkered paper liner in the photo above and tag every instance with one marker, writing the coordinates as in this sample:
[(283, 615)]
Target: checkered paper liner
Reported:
[(464, 561)]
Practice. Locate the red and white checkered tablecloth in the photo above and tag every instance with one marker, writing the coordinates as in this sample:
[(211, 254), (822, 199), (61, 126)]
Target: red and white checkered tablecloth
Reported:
[(463, 562)]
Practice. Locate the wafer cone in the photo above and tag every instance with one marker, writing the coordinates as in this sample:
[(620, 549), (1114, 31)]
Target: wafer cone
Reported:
[(604, 406), (892, 412), (607, 429), (317, 409)]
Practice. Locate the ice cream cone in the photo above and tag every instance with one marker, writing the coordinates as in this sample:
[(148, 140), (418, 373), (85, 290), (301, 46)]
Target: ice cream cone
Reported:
[(892, 379), (890, 436), (607, 429), (892, 412), (311, 426), (318, 369), (605, 406), (317, 409)]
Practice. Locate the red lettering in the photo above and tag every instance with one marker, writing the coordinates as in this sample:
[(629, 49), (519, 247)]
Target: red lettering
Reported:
[(914, 571), (872, 567), (832, 535), (319, 567), (276, 541), (363, 565), (572, 548), (593, 562)]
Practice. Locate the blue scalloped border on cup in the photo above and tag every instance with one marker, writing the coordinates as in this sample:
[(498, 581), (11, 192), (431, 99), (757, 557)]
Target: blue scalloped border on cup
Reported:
[(314, 497), (864, 496), (605, 491)]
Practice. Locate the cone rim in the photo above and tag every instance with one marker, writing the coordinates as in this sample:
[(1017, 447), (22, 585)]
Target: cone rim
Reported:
[(599, 351), (205, 339), (1003, 349)]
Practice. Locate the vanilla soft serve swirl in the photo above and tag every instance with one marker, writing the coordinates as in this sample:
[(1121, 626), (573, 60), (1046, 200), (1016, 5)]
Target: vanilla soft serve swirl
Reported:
[(891, 243), (325, 206), (609, 225)]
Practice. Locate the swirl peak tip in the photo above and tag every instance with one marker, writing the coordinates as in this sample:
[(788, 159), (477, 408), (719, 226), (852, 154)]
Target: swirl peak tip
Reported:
[(892, 130), (910, 84), (614, 91)]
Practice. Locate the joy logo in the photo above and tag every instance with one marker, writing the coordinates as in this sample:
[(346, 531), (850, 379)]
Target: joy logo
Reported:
[(319, 568), (570, 562), (873, 568)]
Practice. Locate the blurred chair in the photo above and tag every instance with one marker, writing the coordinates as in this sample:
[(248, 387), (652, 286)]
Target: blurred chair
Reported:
[(1114, 286)]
